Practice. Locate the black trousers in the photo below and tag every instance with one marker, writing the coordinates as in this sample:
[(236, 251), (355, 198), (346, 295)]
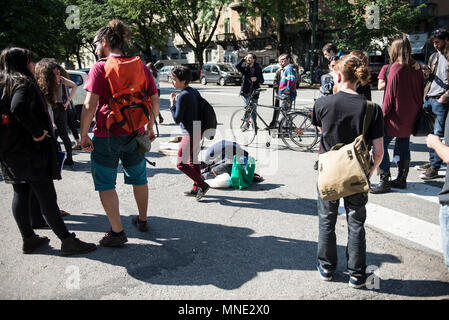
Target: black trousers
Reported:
[(45, 194), (71, 122), (60, 115)]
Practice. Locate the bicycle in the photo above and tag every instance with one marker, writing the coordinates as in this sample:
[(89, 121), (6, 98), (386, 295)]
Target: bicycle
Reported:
[(295, 128)]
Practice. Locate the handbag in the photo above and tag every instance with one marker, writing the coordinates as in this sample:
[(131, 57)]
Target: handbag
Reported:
[(343, 170), (242, 174), (425, 120)]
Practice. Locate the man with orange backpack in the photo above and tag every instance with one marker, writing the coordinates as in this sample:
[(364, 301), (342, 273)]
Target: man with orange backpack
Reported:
[(122, 96)]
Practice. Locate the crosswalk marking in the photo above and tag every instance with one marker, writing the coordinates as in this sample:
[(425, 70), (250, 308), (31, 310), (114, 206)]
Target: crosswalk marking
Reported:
[(409, 228)]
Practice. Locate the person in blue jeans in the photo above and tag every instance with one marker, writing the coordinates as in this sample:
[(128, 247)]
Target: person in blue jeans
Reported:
[(346, 109), (434, 143), (436, 93), (252, 78)]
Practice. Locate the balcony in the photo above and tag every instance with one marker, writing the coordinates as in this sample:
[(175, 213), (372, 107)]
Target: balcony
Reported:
[(237, 6), (225, 37)]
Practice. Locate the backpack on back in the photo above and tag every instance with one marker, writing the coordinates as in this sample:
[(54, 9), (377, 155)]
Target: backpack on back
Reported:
[(130, 102), (344, 170), (208, 119)]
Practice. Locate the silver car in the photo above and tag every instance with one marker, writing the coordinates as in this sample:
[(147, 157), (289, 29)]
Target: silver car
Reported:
[(220, 73)]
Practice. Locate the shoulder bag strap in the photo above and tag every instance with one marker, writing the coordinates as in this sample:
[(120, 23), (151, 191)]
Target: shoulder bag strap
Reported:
[(368, 115)]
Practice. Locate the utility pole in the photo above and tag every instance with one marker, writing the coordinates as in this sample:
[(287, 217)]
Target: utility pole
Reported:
[(314, 12)]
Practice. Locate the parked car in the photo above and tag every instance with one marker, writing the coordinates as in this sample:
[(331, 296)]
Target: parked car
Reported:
[(86, 70), (79, 77), (164, 73), (220, 73), (269, 73)]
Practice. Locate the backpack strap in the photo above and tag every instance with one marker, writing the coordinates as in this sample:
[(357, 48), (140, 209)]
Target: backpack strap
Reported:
[(369, 111)]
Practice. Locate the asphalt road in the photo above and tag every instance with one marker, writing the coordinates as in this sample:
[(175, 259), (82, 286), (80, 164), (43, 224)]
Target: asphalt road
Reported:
[(258, 243)]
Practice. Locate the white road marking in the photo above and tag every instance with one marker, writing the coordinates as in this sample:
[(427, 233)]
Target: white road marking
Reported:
[(409, 228)]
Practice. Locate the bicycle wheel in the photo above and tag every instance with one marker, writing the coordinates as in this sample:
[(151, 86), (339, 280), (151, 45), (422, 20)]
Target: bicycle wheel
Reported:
[(242, 127), (298, 128)]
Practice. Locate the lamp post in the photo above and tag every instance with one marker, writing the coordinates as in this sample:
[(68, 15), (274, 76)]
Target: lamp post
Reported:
[(314, 16)]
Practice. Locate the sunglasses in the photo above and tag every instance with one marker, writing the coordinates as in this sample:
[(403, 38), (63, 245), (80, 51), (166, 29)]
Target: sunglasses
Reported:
[(438, 31)]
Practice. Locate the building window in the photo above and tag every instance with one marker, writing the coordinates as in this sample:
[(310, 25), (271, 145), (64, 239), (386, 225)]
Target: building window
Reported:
[(243, 27), (227, 26)]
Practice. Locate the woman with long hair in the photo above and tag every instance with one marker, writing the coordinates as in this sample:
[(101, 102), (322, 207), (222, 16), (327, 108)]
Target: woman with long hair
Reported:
[(48, 76), (402, 101), (28, 154), (340, 118)]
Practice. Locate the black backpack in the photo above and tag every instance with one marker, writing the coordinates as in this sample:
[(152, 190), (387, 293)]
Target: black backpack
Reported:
[(208, 119)]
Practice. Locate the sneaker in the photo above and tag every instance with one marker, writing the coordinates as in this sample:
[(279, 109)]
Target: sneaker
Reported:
[(34, 242), (429, 174), (326, 275), (161, 120), (141, 226), (201, 192), (423, 167), (357, 283), (110, 240), (72, 245), (191, 193)]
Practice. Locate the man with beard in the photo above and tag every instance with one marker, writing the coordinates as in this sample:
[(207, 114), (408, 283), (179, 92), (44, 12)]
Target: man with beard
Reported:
[(109, 145)]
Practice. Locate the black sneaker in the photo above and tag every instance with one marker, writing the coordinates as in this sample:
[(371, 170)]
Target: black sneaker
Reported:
[(141, 226), (32, 243), (325, 274), (357, 283), (191, 193), (110, 240), (202, 192), (72, 245)]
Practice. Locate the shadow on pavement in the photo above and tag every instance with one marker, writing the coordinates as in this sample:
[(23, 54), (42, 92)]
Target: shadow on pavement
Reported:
[(295, 206), (188, 253)]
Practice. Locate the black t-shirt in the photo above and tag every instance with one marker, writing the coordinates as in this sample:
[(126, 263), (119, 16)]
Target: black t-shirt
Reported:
[(341, 118), (444, 193)]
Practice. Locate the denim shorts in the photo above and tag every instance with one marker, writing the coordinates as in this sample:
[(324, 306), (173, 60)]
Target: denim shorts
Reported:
[(108, 153)]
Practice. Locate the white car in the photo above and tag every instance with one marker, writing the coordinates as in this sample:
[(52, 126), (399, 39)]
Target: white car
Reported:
[(164, 73), (269, 73), (79, 77)]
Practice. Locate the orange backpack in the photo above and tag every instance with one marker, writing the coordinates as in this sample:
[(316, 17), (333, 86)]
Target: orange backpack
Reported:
[(130, 101)]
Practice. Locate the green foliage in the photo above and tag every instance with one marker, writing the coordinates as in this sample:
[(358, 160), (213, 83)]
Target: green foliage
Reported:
[(352, 30), (195, 21), (33, 24)]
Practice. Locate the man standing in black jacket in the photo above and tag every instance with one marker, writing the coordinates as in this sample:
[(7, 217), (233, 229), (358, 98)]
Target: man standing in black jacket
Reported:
[(252, 78)]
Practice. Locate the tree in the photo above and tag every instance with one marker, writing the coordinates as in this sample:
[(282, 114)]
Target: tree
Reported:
[(280, 12), (195, 21), (35, 25), (148, 27), (366, 24)]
